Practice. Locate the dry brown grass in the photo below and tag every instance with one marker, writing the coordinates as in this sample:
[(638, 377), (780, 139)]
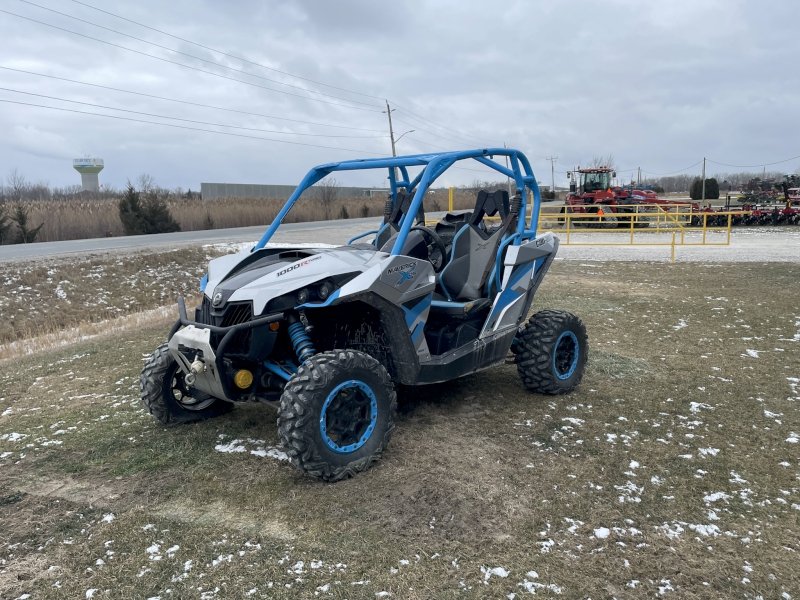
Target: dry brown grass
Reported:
[(677, 443), (55, 298), (80, 219)]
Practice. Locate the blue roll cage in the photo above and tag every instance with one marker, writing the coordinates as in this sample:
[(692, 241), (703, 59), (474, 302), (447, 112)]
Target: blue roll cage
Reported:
[(434, 164)]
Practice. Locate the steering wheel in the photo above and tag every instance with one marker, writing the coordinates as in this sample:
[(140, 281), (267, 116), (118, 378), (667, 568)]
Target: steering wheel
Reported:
[(437, 251)]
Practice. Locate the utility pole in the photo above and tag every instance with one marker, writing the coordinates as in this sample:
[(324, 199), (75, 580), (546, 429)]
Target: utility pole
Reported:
[(704, 181), (553, 160), (391, 131), (508, 179)]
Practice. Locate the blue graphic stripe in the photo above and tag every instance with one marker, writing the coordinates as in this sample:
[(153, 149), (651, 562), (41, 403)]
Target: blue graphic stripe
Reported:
[(413, 313), (508, 295), (327, 302)]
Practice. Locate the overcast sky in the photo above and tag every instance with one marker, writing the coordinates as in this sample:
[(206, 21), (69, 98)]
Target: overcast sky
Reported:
[(657, 84)]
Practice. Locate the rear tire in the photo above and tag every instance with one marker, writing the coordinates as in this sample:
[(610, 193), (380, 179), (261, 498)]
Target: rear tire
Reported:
[(551, 352), (337, 414), (166, 397)]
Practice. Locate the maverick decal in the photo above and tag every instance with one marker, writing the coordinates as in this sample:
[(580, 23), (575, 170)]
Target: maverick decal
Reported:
[(405, 271)]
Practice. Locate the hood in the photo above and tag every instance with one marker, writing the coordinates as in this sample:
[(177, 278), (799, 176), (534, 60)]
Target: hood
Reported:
[(272, 272)]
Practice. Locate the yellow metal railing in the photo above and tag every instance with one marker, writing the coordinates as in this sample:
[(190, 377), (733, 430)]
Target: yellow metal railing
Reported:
[(633, 224)]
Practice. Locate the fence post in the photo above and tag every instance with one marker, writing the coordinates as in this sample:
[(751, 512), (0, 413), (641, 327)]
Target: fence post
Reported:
[(730, 222), (634, 216), (705, 224), (672, 258), (450, 201)]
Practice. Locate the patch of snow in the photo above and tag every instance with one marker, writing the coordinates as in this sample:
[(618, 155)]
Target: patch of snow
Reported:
[(230, 447), (497, 571), (708, 451), (715, 496), (602, 533)]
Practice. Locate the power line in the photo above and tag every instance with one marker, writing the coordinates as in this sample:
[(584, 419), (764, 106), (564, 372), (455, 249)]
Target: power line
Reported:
[(414, 115), (753, 166), (105, 87), (673, 172), (273, 69), (225, 53), (429, 144), (136, 112), (462, 142), (216, 64), (186, 66), (253, 137)]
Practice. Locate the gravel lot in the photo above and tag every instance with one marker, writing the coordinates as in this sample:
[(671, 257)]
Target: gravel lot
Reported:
[(748, 244)]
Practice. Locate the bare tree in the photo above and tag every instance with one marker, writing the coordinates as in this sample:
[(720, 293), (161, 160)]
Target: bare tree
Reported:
[(328, 192), (17, 185), (147, 183), (489, 186), (603, 161)]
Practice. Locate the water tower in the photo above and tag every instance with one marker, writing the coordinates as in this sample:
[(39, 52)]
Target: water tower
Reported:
[(88, 168)]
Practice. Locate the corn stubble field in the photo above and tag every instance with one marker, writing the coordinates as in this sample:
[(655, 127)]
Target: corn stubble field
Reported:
[(672, 471)]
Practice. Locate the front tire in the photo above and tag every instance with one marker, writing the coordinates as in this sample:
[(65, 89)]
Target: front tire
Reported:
[(551, 352), (166, 396), (337, 414)]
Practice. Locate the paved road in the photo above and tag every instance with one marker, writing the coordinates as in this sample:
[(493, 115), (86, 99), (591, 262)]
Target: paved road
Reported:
[(781, 244), (182, 238)]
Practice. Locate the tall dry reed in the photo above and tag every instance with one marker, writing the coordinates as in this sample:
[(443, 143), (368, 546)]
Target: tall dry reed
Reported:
[(81, 219)]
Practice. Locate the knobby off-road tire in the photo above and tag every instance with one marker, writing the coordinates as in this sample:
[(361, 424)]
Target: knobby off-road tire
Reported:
[(314, 388), (544, 362), (158, 383)]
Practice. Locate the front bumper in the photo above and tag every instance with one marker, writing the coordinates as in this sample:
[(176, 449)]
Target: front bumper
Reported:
[(197, 336)]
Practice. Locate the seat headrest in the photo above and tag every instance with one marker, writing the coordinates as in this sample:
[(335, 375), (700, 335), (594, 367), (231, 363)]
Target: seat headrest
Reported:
[(489, 204), (401, 206)]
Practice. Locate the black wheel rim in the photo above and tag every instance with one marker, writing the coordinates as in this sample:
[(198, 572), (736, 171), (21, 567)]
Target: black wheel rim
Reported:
[(348, 416), (565, 355), (187, 398)]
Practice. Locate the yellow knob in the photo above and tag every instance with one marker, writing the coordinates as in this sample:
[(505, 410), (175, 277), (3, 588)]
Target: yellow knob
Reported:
[(243, 379)]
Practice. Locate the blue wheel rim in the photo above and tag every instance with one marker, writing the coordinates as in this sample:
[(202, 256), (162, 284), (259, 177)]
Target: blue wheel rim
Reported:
[(565, 355), (348, 416)]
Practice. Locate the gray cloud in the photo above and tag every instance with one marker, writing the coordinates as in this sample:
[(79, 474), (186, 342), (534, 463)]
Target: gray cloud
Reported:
[(659, 85)]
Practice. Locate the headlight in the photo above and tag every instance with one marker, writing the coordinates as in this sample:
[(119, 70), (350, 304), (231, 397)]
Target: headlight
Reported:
[(302, 296), (325, 290)]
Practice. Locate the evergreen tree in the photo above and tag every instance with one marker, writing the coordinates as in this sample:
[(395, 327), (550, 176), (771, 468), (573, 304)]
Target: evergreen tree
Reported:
[(5, 224), (712, 189), (157, 218), (25, 235), (130, 211)]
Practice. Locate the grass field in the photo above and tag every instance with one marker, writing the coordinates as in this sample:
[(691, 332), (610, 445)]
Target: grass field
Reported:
[(673, 470), (45, 296)]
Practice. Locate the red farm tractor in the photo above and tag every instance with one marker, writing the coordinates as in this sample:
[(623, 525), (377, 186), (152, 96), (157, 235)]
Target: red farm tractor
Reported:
[(591, 192)]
